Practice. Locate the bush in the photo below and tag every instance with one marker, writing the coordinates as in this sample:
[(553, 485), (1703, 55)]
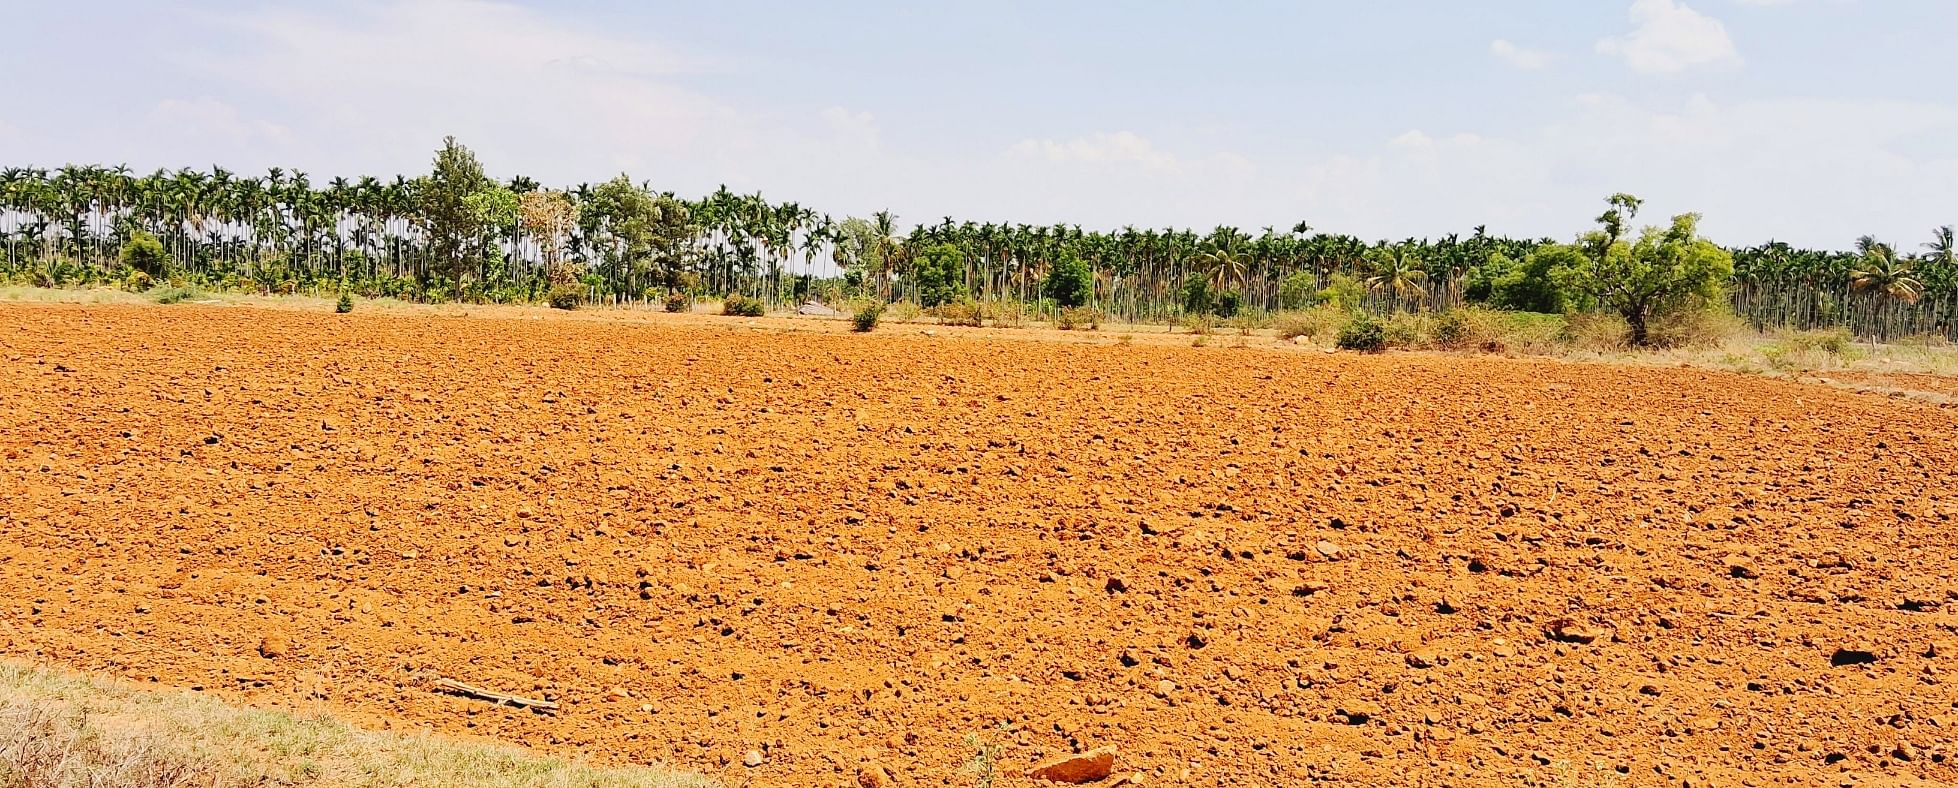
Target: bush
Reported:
[(1069, 283), (1321, 321), (1008, 314), (1200, 324), (566, 296), (346, 303), (1407, 330), (1691, 328), (738, 305), (177, 295), (1296, 290), (679, 302), (1197, 296), (1343, 291), (958, 313), (1597, 332), (1080, 317), (866, 318), (137, 282), (1363, 334), (940, 274), (145, 254), (1229, 303)]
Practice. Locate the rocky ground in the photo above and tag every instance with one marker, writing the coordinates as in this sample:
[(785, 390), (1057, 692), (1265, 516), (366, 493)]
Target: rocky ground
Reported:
[(797, 558)]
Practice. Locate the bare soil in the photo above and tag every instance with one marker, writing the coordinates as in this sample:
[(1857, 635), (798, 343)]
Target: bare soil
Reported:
[(846, 553)]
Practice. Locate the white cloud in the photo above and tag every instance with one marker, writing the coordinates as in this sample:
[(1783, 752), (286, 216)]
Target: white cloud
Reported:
[(1668, 37), (1121, 147), (1527, 59), (207, 119)]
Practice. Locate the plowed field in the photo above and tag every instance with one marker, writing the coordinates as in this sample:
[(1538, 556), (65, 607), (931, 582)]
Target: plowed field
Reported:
[(847, 553)]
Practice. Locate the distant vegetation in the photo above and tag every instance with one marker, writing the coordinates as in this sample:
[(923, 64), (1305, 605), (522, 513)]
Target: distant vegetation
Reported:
[(456, 234)]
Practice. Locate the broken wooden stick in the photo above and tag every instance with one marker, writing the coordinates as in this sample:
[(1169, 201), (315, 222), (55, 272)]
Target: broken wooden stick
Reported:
[(499, 698)]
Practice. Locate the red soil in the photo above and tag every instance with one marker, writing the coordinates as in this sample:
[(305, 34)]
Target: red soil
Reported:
[(1239, 567)]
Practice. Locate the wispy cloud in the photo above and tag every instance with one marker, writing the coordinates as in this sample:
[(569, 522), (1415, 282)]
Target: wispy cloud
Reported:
[(1669, 37), (1527, 59)]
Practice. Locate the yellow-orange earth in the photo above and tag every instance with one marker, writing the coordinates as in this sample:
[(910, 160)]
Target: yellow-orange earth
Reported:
[(846, 553)]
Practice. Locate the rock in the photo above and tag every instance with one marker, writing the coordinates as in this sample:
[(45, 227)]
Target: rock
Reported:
[(1331, 551), (875, 776), (274, 646), (1568, 631), (1425, 658), (1742, 567), (1095, 764), (617, 693), (1844, 657), (752, 759)]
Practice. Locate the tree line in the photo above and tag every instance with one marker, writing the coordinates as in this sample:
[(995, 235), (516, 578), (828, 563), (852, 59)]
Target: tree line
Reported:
[(457, 234)]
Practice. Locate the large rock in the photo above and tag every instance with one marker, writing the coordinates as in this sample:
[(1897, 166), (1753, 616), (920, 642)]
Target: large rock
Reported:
[(1082, 767)]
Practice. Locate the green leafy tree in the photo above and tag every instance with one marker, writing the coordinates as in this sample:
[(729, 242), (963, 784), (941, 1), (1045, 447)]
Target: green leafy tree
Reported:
[(940, 273), (1531, 285), (1297, 290), (1667, 269), (1198, 296), (1344, 291), (144, 253), (453, 223), (1069, 282)]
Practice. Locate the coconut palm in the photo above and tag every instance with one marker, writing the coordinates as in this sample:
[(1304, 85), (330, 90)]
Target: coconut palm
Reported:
[(1397, 273)]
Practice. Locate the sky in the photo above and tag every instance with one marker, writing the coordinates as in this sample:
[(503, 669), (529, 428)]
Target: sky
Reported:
[(1808, 121)]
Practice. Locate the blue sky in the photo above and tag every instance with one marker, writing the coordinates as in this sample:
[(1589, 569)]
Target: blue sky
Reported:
[(1812, 121)]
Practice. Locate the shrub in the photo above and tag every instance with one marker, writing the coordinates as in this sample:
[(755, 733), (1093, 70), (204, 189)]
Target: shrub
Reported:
[(940, 274), (679, 302), (1008, 314), (566, 296), (346, 303), (1069, 283), (1228, 303), (1691, 328), (1199, 324), (137, 282), (1343, 291), (177, 295), (1596, 331), (738, 305), (1363, 334), (288, 287), (1454, 330), (866, 318), (958, 313), (1081, 317), (145, 254), (1197, 296), (1296, 290), (1313, 323), (902, 311), (1407, 330)]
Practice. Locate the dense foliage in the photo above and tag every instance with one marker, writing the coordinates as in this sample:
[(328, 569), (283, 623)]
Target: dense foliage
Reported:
[(457, 234)]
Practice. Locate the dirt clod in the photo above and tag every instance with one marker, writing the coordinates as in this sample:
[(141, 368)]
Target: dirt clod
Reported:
[(1085, 767)]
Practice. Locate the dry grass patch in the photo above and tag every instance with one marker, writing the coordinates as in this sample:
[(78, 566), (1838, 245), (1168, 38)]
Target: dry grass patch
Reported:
[(59, 730)]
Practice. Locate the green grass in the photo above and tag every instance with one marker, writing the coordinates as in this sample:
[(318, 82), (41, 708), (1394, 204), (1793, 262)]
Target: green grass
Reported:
[(61, 730)]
